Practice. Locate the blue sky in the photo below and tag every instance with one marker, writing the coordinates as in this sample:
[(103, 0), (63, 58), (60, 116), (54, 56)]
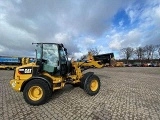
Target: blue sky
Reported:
[(79, 25)]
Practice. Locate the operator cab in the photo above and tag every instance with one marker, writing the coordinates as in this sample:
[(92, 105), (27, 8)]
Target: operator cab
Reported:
[(52, 58)]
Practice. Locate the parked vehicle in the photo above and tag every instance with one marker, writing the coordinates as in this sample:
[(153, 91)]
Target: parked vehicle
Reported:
[(10, 63)]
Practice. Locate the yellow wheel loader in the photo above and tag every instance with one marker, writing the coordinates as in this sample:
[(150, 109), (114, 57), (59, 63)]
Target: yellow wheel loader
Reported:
[(91, 63), (51, 72), (98, 61)]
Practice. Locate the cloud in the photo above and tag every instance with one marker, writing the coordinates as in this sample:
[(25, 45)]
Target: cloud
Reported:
[(115, 44), (24, 22), (121, 23), (150, 23), (15, 38), (77, 55), (143, 30), (79, 25), (89, 41), (67, 40), (134, 11)]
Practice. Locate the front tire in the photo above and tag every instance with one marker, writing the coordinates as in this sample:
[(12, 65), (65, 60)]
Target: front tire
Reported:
[(37, 92), (92, 85)]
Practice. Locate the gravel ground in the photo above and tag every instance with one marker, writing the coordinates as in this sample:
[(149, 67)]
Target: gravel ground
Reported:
[(127, 93)]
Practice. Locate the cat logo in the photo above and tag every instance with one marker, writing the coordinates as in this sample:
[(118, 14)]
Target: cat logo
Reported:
[(27, 70)]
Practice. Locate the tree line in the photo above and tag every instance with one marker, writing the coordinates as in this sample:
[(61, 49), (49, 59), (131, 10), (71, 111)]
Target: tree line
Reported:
[(148, 52)]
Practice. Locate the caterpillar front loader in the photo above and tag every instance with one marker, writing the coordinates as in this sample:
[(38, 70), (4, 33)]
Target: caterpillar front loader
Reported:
[(91, 62), (98, 61), (50, 72)]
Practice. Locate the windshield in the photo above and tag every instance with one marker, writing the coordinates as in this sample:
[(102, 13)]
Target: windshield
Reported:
[(47, 51), (50, 53)]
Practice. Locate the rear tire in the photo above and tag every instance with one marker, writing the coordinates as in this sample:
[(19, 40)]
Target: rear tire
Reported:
[(37, 92), (92, 85)]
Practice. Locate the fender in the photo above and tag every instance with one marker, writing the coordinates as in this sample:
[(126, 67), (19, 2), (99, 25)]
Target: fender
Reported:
[(41, 77), (85, 77)]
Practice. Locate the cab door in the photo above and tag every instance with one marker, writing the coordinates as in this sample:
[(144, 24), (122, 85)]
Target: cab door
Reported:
[(51, 56)]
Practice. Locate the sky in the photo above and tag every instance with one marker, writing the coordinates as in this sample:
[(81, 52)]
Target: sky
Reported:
[(108, 25)]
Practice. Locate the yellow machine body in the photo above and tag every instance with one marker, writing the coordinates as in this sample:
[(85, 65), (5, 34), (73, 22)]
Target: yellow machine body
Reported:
[(58, 81)]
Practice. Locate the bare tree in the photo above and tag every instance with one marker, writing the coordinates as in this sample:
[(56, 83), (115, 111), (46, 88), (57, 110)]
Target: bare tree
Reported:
[(83, 57), (158, 50), (127, 52), (150, 50), (139, 52), (94, 51), (147, 51), (153, 49)]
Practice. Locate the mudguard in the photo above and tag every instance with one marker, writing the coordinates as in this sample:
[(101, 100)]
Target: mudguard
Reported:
[(42, 77)]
